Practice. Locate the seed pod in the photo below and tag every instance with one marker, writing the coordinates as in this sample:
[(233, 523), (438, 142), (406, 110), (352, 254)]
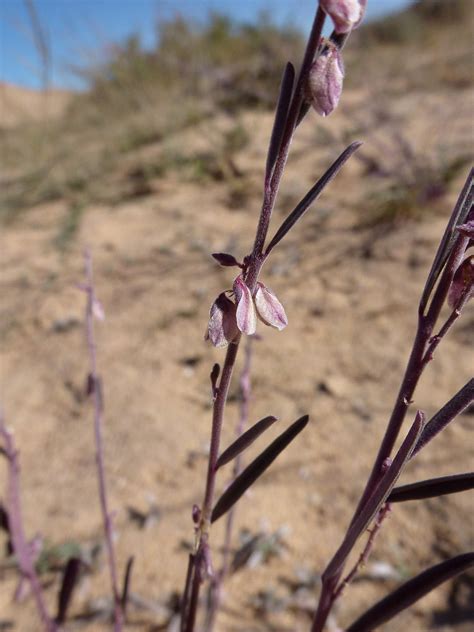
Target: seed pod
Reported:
[(325, 81)]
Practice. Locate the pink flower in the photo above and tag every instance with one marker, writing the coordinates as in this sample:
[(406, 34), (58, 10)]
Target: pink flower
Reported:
[(325, 81), (228, 318), (346, 14)]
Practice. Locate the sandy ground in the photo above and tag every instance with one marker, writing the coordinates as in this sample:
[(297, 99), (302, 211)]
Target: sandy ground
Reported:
[(351, 298), (18, 104)]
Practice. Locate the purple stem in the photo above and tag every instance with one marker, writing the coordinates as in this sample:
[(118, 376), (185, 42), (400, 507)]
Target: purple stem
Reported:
[(364, 556), (332, 573), (20, 544), (427, 319), (255, 264), (99, 441), (271, 187), (416, 365), (215, 591)]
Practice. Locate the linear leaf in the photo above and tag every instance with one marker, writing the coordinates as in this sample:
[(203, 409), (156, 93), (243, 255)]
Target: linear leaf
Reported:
[(256, 468), (225, 259), (245, 440), (126, 583), (376, 500), (70, 577), (410, 592), (312, 195), (459, 216), (281, 116), (432, 487), (445, 415)]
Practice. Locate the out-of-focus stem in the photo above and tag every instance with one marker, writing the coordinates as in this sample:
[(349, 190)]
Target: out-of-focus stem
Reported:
[(15, 521), (99, 442)]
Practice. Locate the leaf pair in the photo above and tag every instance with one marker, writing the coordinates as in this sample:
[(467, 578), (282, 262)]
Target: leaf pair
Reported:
[(256, 468)]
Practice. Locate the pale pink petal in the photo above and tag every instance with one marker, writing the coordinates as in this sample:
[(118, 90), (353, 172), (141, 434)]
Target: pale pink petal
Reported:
[(246, 315), (346, 14), (97, 309), (222, 326), (269, 308)]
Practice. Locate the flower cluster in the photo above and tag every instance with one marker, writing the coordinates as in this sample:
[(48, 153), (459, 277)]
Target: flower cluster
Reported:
[(228, 318)]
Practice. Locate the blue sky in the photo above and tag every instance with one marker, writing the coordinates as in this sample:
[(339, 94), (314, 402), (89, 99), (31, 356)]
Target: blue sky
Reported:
[(79, 30)]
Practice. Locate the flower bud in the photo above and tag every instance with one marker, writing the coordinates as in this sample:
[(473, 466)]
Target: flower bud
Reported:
[(246, 315), (346, 14), (463, 282), (269, 308), (222, 327), (325, 81)]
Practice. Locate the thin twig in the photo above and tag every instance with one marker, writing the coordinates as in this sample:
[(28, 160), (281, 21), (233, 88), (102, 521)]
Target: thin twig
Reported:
[(96, 387), (364, 556), (15, 521), (215, 589)]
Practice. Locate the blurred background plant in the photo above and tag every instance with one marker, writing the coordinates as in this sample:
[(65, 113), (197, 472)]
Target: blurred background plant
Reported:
[(137, 100)]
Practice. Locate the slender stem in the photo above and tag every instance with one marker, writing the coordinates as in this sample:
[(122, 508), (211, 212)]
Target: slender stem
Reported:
[(217, 421), (333, 571), (271, 188), (416, 365), (364, 556), (215, 590), (194, 576), (256, 261), (99, 441), (15, 521)]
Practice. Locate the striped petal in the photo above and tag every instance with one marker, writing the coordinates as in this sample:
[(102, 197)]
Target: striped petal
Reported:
[(222, 326), (269, 308), (246, 315)]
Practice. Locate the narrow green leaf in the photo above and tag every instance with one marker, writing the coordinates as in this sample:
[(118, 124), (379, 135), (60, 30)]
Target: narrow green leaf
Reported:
[(256, 468)]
